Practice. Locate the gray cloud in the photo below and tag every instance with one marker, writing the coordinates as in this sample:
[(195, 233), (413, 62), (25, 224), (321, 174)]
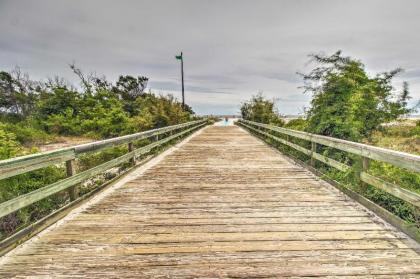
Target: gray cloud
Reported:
[(232, 49), (173, 86), (411, 74)]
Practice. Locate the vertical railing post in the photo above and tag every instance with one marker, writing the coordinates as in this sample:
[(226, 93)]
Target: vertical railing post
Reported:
[(313, 150), (365, 167), (131, 149), (71, 170)]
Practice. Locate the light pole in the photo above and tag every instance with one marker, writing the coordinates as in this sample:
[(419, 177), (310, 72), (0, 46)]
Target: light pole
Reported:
[(180, 57)]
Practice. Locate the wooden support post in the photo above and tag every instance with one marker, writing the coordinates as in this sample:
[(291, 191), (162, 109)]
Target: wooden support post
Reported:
[(71, 170), (365, 167), (313, 150), (130, 149), (157, 138)]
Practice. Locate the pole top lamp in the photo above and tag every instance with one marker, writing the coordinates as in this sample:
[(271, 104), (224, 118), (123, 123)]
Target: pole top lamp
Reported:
[(180, 57)]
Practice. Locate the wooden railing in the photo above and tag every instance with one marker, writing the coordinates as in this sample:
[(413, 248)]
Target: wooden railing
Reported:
[(366, 152), (24, 164)]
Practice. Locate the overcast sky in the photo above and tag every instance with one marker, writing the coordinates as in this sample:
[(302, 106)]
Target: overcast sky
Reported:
[(232, 49)]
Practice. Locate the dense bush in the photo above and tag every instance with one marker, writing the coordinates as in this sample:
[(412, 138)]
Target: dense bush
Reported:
[(346, 102), (297, 124), (35, 111), (9, 146), (262, 110)]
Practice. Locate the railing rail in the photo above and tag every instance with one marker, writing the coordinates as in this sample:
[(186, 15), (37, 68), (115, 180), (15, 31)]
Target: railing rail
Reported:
[(23, 164), (19, 165), (366, 152)]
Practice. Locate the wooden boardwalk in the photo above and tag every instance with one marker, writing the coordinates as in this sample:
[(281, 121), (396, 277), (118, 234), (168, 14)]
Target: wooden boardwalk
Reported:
[(223, 204)]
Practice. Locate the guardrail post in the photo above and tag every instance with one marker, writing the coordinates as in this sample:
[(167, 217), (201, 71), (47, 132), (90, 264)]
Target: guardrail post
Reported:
[(131, 149), (365, 167), (71, 170), (313, 150)]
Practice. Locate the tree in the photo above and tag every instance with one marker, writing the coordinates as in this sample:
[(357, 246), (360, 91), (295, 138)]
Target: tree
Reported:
[(7, 93), (57, 101), (90, 82), (346, 102), (129, 88), (262, 110), (18, 94)]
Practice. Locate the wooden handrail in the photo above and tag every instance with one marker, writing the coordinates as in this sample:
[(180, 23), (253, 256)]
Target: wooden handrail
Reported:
[(396, 158), (399, 159), (23, 164), (68, 155)]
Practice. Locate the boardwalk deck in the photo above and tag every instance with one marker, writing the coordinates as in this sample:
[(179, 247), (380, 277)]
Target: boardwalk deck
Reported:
[(223, 204)]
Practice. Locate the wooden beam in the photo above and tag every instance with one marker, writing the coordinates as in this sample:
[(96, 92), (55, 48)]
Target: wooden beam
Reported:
[(328, 161), (23, 164), (396, 158), (71, 170), (131, 149), (395, 190), (313, 151)]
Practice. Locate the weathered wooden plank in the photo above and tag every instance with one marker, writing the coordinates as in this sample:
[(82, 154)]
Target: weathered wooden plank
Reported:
[(274, 257), (130, 228), (391, 188), (221, 205), (134, 238)]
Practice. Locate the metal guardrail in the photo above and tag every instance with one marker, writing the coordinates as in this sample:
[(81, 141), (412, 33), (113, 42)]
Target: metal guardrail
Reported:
[(366, 152), (15, 166)]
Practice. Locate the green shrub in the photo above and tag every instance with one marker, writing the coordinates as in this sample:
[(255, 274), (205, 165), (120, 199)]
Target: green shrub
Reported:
[(261, 110), (9, 146), (347, 103), (299, 124), (25, 183)]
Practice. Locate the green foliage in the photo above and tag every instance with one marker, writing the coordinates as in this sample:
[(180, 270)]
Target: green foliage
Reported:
[(25, 183), (299, 124), (9, 147), (401, 137), (87, 161), (17, 93), (262, 110), (27, 132), (346, 102)]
